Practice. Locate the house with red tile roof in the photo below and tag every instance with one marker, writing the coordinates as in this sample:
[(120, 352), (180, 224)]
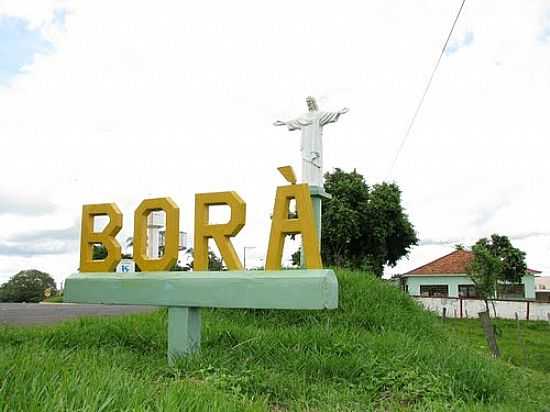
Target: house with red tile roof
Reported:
[(447, 277)]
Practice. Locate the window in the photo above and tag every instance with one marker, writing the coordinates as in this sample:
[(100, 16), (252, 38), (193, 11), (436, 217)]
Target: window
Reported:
[(435, 291), (467, 291), (511, 291)]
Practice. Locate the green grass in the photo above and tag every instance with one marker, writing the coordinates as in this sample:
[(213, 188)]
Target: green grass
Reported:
[(378, 351), (528, 345)]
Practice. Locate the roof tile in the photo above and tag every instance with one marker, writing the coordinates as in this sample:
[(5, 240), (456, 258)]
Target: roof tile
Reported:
[(453, 263)]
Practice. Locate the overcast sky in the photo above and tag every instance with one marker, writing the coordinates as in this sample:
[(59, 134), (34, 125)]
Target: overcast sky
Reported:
[(117, 102)]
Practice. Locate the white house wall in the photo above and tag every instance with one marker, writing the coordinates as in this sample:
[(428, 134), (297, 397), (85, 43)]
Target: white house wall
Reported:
[(471, 308), (529, 282)]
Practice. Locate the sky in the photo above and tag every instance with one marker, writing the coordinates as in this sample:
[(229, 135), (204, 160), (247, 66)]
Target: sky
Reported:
[(102, 102)]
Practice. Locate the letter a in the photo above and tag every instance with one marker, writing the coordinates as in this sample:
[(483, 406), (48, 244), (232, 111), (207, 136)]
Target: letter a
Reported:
[(282, 226), (107, 238)]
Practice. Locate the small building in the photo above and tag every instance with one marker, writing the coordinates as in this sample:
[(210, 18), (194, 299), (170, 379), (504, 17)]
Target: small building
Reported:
[(447, 277)]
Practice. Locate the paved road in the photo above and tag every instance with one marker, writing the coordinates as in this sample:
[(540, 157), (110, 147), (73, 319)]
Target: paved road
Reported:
[(46, 313)]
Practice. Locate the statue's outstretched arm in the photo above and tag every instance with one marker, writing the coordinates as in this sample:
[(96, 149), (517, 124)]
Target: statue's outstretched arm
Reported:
[(291, 124), (331, 117)]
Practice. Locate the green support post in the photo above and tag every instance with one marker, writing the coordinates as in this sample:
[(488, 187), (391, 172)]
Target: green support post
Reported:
[(184, 332), (317, 195)]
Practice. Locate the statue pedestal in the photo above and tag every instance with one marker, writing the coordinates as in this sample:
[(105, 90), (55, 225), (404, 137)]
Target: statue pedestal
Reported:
[(317, 194)]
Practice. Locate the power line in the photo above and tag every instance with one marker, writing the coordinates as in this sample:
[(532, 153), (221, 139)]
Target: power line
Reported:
[(421, 101)]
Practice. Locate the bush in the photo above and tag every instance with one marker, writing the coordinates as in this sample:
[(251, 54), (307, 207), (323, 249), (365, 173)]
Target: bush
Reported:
[(27, 286)]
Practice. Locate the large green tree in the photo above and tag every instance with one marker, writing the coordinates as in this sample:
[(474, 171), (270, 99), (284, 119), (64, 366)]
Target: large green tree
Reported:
[(496, 263), (27, 286), (485, 270), (510, 269), (512, 258), (364, 227)]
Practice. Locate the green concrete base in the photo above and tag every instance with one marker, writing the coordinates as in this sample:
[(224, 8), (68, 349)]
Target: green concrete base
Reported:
[(286, 289), (185, 292), (184, 332)]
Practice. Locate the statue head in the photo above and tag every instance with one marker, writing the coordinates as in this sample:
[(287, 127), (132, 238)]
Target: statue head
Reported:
[(312, 104)]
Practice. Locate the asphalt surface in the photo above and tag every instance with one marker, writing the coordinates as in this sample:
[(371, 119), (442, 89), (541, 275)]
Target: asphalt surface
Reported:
[(48, 313)]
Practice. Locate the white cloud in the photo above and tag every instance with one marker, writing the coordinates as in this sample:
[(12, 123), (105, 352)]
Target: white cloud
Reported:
[(65, 234), (27, 250), (41, 242), (177, 99), (24, 205)]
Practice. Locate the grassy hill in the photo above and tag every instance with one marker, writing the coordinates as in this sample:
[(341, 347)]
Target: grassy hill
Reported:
[(378, 351)]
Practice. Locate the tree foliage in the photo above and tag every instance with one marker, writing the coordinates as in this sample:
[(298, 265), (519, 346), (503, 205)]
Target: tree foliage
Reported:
[(512, 258), (495, 261), (295, 257), (484, 270), (215, 263), (99, 252), (364, 227), (27, 286)]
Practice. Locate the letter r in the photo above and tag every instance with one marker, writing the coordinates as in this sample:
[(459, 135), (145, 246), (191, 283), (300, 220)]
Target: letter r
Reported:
[(221, 233)]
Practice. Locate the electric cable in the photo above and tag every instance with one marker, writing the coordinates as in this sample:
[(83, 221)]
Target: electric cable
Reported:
[(426, 89)]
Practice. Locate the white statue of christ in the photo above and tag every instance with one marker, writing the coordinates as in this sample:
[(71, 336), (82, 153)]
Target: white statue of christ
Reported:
[(311, 124)]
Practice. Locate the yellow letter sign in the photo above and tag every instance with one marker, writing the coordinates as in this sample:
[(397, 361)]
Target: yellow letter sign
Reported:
[(221, 233), (171, 243), (88, 238), (281, 226)]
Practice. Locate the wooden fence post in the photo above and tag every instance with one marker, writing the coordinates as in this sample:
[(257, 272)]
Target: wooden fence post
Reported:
[(489, 332)]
